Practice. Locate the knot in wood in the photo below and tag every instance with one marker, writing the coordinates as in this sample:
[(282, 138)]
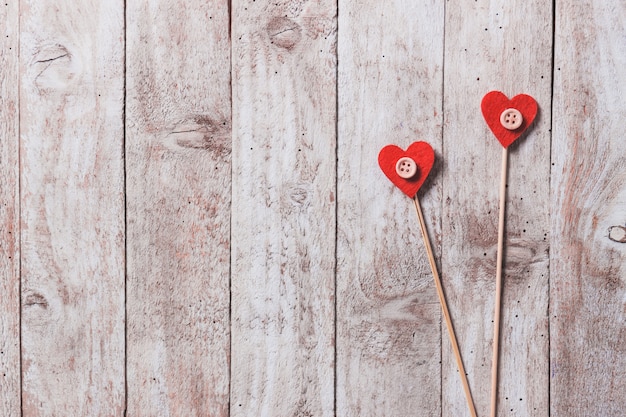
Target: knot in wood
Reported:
[(54, 68), (284, 32), (617, 234)]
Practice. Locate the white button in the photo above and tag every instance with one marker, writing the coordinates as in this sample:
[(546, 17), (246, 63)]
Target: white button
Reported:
[(511, 119), (406, 167)]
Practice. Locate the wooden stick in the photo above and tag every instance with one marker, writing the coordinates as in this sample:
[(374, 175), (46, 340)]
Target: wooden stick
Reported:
[(444, 307), (496, 314)]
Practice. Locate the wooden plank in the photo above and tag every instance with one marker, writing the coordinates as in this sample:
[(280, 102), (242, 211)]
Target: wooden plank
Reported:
[(388, 315), (9, 212), (502, 46), (72, 207), (178, 147), (283, 248), (588, 253)]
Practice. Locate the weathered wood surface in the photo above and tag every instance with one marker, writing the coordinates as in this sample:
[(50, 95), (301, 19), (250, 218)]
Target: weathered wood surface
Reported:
[(178, 145), (169, 264), (588, 253), (9, 213), (503, 46), (388, 316), (72, 207), (283, 218)]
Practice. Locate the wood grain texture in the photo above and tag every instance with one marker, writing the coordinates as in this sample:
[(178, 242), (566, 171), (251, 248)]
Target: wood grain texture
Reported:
[(506, 46), (9, 212), (283, 248), (588, 267), (388, 314), (319, 87), (72, 207), (178, 148)]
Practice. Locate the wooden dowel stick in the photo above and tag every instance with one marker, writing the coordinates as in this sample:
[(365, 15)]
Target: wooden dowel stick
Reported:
[(496, 314), (444, 307)]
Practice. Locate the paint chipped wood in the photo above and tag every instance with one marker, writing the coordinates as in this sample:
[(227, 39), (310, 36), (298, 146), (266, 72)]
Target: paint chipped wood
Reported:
[(283, 257), (68, 85), (178, 145), (72, 208), (388, 314), (9, 213), (587, 336), (487, 49)]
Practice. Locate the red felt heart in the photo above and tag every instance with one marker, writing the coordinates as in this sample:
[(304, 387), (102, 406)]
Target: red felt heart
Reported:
[(420, 152), (495, 103)]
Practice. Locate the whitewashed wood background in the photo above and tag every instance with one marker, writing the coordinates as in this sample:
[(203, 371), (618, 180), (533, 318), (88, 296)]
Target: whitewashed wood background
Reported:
[(193, 221)]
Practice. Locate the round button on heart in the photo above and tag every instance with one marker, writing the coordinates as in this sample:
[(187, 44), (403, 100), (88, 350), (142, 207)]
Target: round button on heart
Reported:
[(511, 119), (406, 167)]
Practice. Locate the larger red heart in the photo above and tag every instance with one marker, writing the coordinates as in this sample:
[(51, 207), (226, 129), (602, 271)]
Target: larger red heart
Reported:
[(495, 103), (421, 153)]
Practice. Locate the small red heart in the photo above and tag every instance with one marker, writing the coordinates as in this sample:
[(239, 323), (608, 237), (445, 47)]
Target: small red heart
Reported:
[(493, 106), (391, 161)]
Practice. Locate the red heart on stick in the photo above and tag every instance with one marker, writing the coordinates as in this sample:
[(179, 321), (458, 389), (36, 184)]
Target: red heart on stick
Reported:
[(407, 169), (497, 108)]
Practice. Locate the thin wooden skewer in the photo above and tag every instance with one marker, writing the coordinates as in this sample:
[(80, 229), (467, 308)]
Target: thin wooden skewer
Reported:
[(444, 307), (496, 315)]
